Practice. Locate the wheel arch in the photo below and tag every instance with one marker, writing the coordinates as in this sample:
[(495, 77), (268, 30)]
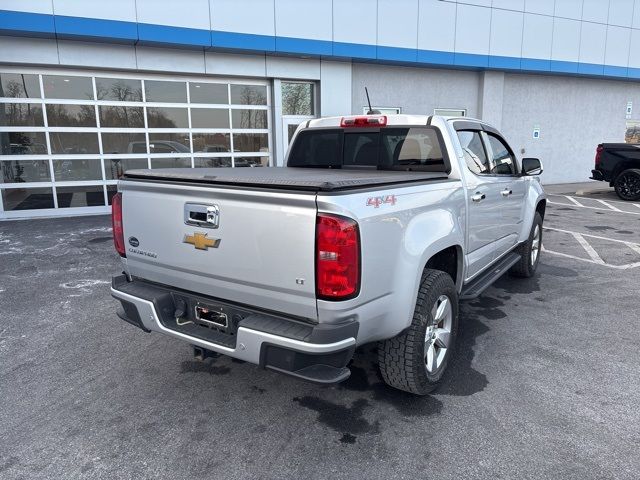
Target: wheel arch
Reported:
[(622, 167), (541, 207), (449, 260)]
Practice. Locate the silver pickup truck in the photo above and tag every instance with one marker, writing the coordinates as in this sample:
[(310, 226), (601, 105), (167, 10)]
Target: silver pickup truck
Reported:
[(373, 232)]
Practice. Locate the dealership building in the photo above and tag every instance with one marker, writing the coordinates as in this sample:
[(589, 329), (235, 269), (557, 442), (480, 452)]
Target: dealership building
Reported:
[(89, 89)]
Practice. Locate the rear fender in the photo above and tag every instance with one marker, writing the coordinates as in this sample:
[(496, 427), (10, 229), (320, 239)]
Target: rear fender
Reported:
[(427, 234)]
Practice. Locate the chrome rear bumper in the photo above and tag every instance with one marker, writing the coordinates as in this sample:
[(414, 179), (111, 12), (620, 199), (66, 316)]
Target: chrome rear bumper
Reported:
[(315, 361)]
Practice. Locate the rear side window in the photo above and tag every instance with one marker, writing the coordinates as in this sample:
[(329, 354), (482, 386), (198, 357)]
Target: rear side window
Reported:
[(390, 148), (474, 154)]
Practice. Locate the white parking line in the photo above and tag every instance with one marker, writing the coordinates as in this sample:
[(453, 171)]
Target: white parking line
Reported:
[(588, 248), (611, 207), (573, 200), (594, 257), (590, 235), (575, 203), (573, 257)]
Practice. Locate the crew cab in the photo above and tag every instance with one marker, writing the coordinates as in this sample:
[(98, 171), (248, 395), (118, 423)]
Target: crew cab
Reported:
[(619, 164), (373, 232)]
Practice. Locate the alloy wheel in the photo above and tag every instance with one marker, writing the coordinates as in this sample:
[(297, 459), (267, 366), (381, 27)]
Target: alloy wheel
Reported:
[(438, 335), (629, 185), (535, 245)]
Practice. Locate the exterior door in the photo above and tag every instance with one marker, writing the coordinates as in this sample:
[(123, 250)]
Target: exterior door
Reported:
[(484, 216), (511, 187)]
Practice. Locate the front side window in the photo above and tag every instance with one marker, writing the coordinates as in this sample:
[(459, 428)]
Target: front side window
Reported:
[(474, 154), (502, 160)]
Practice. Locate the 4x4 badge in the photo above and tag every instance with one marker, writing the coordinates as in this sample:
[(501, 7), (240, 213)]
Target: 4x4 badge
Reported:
[(201, 241)]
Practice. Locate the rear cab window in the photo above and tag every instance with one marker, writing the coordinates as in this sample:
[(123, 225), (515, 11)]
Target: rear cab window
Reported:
[(388, 148)]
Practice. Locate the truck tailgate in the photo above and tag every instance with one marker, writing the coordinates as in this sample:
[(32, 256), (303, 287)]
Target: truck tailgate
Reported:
[(264, 257)]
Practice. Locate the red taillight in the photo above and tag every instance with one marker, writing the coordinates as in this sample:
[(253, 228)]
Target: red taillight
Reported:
[(116, 222), (337, 257), (368, 121), (599, 150)]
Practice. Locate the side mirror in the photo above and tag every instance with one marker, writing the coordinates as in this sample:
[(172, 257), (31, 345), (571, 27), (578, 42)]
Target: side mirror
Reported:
[(531, 166)]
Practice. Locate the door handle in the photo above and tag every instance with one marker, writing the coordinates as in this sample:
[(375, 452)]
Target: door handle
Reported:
[(478, 197), (201, 215), (506, 192)]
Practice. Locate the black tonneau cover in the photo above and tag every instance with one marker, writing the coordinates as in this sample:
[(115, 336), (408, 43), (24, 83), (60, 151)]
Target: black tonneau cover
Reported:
[(311, 179)]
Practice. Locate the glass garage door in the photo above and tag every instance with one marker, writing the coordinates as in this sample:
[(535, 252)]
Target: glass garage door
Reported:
[(66, 138)]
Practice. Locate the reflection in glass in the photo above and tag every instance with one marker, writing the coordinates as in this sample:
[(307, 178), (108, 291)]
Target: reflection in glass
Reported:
[(68, 170), (71, 115), (23, 143), (115, 168), (249, 118), (24, 171), (119, 89), (209, 118), (169, 142), (27, 198), (208, 93), (21, 114), (19, 85), (251, 161), (170, 163), (160, 91), (212, 162), (248, 94), (121, 117), (211, 142), (73, 143), (167, 117), (67, 86), (297, 99), (250, 142), (124, 143), (69, 197)]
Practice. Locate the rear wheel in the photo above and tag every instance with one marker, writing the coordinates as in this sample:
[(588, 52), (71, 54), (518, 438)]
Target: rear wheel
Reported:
[(529, 251), (627, 184), (416, 360)]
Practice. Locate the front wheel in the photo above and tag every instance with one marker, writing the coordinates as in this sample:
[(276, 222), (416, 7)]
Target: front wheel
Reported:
[(627, 184), (529, 251), (416, 360)]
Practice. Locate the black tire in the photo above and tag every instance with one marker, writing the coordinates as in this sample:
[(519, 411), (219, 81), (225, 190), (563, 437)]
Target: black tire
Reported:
[(402, 359), (627, 184), (527, 265)]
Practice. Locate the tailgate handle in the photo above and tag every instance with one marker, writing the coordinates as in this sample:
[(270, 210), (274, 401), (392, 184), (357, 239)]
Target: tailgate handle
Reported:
[(201, 215)]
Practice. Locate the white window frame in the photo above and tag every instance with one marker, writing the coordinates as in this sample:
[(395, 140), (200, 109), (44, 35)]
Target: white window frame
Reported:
[(462, 112), (383, 110), (104, 182)]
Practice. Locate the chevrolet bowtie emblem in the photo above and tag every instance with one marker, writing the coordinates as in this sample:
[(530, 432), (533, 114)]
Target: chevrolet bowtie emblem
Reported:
[(201, 241)]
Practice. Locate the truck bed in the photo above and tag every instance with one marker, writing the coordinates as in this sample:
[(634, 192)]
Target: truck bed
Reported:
[(287, 178)]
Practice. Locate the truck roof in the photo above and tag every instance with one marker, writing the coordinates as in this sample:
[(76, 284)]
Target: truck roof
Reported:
[(401, 119)]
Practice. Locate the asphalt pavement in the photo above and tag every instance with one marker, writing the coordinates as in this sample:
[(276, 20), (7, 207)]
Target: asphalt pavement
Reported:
[(545, 384)]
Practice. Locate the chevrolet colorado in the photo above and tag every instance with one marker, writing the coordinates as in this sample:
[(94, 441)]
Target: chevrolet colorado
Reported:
[(372, 233)]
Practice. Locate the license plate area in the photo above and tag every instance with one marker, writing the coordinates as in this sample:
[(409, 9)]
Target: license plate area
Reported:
[(204, 318), (210, 316)]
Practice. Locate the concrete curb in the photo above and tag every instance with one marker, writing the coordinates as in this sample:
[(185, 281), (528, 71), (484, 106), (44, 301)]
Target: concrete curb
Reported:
[(595, 191)]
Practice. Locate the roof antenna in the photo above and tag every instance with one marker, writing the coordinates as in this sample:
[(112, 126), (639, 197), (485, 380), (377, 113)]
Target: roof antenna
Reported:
[(371, 110)]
